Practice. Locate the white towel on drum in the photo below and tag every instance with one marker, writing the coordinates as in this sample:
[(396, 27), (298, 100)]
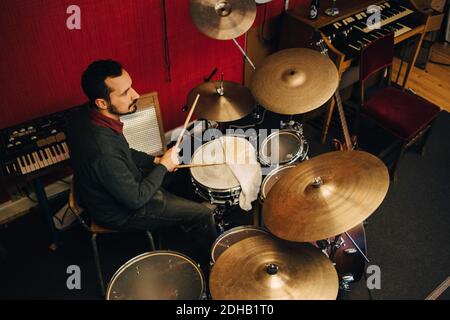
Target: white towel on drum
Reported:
[(241, 158)]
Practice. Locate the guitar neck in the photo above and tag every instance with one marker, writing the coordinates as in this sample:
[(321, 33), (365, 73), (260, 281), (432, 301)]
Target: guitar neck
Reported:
[(345, 130), (337, 97)]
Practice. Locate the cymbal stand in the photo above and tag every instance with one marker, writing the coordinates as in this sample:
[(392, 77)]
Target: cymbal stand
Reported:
[(245, 55), (219, 216), (357, 247)]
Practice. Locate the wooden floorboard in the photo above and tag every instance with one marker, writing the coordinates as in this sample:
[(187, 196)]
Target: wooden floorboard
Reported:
[(433, 83)]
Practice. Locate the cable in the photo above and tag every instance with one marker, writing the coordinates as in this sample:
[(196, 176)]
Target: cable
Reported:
[(166, 43)]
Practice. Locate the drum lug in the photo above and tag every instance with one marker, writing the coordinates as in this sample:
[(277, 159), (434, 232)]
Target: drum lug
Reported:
[(210, 196), (350, 251)]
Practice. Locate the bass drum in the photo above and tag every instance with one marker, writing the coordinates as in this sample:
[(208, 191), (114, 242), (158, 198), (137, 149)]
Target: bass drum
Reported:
[(157, 275), (350, 264), (232, 236)]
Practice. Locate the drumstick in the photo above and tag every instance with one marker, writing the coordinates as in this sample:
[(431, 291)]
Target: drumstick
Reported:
[(187, 121), (197, 165)]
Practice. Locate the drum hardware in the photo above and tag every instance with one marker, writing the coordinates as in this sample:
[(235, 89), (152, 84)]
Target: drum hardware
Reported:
[(344, 283), (357, 247), (244, 54), (348, 260), (207, 79), (333, 10), (219, 217), (224, 19)]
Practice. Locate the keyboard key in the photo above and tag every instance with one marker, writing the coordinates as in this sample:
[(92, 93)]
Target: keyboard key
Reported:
[(56, 153), (44, 158), (22, 166), (38, 163), (31, 163), (50, 159)]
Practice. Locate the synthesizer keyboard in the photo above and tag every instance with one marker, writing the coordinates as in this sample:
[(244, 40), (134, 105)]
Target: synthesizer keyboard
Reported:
[(32, 146)]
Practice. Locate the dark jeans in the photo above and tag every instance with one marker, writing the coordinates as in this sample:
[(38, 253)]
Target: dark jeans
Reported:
[(179, 211)]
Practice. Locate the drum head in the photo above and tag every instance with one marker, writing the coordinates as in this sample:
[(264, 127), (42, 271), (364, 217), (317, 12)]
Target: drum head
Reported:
[(281, 147), (221, 177), (157, 275), (232, 236), (273, 178)]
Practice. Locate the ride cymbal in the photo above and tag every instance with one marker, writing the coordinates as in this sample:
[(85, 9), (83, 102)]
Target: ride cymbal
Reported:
[(294, 81), (223, 19), (235, 102), (265, 268), (326, 196)]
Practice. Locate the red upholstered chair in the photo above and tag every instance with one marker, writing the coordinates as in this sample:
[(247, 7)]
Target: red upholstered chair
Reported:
[(406, 116)]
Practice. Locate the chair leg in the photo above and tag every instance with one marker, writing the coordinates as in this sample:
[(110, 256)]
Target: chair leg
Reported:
[(97, 263), (424, 141), (151, 241), (396, 163)]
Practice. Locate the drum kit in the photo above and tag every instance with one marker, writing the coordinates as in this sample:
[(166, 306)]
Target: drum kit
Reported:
[(311, 242)]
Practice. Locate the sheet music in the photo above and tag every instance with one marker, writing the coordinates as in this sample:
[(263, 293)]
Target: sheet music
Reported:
[(142, 131)]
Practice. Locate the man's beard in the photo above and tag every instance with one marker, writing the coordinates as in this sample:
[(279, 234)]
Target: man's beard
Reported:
[(131, 109)]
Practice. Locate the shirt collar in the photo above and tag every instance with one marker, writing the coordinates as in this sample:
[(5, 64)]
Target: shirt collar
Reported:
[(101, 120)]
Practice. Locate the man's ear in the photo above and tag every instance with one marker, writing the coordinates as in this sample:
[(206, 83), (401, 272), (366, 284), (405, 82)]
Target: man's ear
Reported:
[(101, 104)]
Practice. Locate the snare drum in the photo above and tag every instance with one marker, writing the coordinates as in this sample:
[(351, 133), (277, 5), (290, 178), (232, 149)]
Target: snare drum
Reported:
[(283, 147), (232, 236), (157, 275), (217, 184), (272, 178)]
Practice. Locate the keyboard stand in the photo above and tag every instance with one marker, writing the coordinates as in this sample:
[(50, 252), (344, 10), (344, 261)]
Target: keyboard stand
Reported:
[(44, 208)]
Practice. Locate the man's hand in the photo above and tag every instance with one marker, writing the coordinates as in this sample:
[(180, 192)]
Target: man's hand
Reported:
[(170, 159)]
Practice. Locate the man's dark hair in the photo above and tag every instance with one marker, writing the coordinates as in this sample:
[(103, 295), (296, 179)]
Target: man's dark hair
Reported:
[(93, 79)]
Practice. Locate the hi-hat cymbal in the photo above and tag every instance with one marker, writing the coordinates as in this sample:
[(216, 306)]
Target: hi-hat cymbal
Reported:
[(235, 103), (266, 268), (223, 19), (326, 196), (294, 81)]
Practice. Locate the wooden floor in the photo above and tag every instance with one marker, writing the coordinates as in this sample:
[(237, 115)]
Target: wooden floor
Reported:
[(433, 83)]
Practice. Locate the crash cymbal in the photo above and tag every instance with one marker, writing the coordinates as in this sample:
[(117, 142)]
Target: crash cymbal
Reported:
[(265, 268), (294, 81), (235, 103), (326, 196), (223, 19)]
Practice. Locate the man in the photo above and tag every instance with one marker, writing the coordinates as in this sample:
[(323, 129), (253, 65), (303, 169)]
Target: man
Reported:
[(121, 188)]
